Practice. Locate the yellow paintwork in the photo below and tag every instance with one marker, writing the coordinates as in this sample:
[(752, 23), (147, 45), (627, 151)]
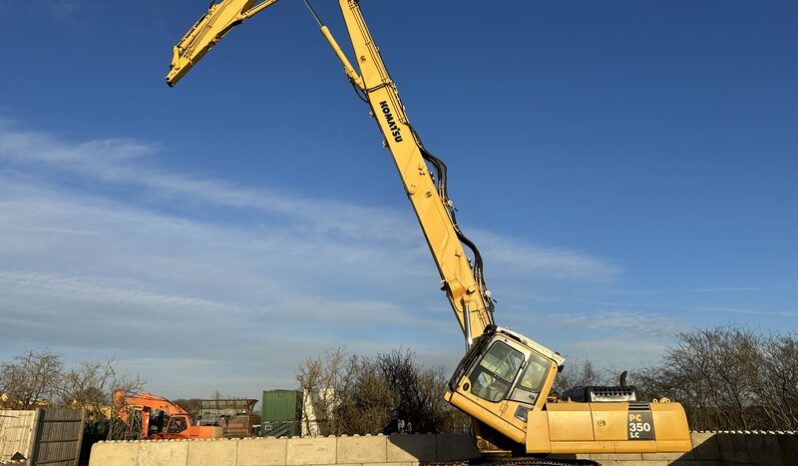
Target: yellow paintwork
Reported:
[(459, 283), (562, 427), (567, 427), (207, 31), (499, 415)]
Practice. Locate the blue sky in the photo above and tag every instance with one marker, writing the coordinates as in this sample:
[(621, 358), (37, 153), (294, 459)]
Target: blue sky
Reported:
[(627, 168)]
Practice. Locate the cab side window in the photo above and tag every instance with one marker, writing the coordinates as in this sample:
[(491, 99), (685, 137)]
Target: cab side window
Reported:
[(177, 425), (493, 376)]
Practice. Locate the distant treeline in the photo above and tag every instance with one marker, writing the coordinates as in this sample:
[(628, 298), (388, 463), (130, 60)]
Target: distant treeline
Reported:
[(729, 378)]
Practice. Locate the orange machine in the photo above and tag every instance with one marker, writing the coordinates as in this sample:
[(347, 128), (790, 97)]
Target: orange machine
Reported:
[(159, 418)]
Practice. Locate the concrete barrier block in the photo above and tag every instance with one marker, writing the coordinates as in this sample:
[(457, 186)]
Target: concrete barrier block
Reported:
[(696, 463), (212, 453), (788, 446), (616, 456), (634, 463), (401, 463), (316, 451), (160, 453), (411, 448), (569, 456), (340, 464), (263, 452), (667, 456), (359, 449), (450, 447), (764, 449), (114, 454), (733, 448), (705, 447)]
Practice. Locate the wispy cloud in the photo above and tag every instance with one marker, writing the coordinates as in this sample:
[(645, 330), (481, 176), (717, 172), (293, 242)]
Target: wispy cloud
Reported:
[(558, 263), (91, 271), (745, 311), (720, 289), (617, 353), (624, 323), (603, 335)]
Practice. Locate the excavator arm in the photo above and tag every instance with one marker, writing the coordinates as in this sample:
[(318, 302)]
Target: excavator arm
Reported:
[(423, 174), (208, 31), (126, 403)]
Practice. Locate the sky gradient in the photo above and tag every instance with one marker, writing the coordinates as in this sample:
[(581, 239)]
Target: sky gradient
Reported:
[(628, 169)]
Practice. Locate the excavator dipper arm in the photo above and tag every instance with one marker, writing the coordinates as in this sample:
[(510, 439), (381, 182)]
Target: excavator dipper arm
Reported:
[(208, 31)]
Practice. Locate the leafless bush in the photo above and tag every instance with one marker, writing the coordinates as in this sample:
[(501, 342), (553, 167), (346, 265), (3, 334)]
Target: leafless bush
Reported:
[(30, 380), (389, 393), (39, 379), (364, 400), (319, 378), (419, 406), (729, 378), (91, 385), (577, 374)]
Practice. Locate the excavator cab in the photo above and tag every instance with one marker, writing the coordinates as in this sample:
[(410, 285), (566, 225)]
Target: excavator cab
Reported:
[(505, 380), (503, 377)]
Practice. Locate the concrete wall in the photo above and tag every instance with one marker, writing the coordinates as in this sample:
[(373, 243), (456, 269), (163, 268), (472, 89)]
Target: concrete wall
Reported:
[(394, 450), (710, 449), (17, 430)]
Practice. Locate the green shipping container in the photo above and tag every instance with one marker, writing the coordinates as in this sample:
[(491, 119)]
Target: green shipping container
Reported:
[(281, 413)]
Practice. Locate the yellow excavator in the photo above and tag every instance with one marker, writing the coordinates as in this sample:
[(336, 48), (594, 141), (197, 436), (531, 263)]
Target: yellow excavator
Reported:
[(504, 381)]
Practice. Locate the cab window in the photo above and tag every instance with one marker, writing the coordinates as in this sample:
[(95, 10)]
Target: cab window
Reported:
[(535, 373), (532, 379), (177, 425), (492, 378)]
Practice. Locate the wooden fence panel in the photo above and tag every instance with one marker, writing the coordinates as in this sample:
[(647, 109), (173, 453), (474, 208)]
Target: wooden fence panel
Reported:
[(58, 437)]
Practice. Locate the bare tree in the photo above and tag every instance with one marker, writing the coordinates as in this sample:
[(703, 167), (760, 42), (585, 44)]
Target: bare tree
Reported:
[(729, 378), (90, 385), (779, 381), (419, 406), (31, 379), (319, 378), (389, 393), (364, 400), (577, 374)]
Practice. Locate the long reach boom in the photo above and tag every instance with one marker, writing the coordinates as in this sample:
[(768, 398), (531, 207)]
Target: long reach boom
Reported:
[(462, 279)]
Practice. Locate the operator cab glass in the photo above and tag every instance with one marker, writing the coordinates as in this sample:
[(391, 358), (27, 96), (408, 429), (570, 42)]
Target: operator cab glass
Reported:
[(504, 368), (532, 379), (177, 425), (492, 378)]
